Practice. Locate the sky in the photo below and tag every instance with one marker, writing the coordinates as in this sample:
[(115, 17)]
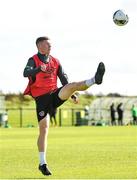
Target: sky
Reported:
[(82, 33)]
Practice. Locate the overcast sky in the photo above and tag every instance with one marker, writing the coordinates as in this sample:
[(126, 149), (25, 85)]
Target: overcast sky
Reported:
[(82, 34)]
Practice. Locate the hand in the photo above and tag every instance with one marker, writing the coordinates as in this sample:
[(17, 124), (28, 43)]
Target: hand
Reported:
[(43, 68), (75, 98)]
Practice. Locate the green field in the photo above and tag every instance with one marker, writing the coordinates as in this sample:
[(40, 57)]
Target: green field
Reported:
[(73, 153)]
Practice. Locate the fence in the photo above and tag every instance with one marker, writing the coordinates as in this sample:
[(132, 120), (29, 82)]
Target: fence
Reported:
[(26, 117)]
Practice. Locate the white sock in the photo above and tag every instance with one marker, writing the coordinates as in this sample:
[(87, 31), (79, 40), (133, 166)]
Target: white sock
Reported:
[(42, 158), (90, 82)]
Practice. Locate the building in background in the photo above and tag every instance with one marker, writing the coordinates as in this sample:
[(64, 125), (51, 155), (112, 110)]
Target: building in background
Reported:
[(3, 112), (100, 109)]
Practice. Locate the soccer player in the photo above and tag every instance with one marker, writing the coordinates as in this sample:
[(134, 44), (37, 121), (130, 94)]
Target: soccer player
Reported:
[(42, 70), (120, 111), (134, 114), (113, 114), (52, 114)]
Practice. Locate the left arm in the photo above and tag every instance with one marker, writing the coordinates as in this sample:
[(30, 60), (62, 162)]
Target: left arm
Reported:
[(62, 76), (64, 80)]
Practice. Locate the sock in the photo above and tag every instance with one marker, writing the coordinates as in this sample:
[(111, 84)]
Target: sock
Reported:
[(90, 82), (42, 158)]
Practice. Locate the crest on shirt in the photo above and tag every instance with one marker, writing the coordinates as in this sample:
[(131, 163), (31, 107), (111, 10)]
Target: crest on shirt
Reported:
[(41, 113), (50, 70)]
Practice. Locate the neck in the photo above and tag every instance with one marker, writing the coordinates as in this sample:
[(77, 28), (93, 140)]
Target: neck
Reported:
[(43, 57), (43, 54)]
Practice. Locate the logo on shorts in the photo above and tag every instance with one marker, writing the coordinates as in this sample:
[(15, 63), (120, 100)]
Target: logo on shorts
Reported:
[(41, 113)]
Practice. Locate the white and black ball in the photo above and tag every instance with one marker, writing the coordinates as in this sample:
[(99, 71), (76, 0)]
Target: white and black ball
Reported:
[(120, 18)]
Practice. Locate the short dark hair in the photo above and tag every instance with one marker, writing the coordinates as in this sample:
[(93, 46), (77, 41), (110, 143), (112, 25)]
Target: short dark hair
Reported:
[(40, 39)]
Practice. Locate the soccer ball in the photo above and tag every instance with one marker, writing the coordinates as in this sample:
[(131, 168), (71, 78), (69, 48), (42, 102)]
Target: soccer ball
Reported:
[(120, 18)]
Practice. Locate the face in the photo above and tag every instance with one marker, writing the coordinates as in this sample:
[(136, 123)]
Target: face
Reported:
[(44, 47)]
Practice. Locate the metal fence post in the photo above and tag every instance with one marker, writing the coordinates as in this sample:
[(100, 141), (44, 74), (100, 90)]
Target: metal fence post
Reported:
[(20, 116), (72, 111), (60, 118)]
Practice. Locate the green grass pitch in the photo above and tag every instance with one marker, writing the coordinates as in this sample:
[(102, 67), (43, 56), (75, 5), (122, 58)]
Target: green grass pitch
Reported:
[(73, 153)]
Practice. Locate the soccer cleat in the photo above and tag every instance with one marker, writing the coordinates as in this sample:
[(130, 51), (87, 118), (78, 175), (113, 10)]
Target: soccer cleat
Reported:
[(100, 73), (44, 169)]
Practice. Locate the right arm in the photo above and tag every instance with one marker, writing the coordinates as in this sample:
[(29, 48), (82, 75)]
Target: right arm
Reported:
[(31, 69)]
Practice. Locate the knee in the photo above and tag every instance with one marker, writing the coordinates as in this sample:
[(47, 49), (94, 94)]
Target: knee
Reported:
[(73, 86), (44, 130)]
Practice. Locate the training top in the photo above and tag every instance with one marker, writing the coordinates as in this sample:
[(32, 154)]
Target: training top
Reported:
[(43, 82)]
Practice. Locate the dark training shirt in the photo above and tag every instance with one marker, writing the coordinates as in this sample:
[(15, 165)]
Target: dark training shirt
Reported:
[(32, 70)]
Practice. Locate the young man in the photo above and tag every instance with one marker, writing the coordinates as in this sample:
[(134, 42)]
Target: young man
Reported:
[(42, 70), (120, 111), (113, 114)]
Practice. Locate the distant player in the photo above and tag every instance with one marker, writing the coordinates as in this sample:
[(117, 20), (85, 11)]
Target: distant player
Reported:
[(134, 114), (113, 114), (43, 70), (120, 111), (52, 114)]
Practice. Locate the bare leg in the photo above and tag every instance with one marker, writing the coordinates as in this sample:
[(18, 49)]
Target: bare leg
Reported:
[(43, 134), (42, 145), (70, 88)]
